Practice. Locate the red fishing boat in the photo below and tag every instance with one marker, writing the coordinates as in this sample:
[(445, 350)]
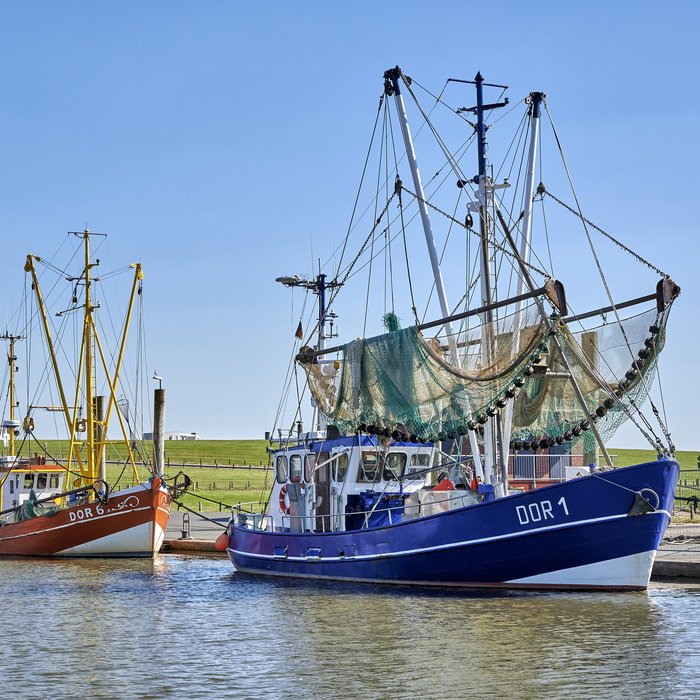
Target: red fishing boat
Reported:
[(39, 515)]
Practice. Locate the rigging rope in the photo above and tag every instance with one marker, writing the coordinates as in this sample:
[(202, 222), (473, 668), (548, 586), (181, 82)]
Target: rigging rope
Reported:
[(350, 267), (619, 244), (600, 269), (496, 245)]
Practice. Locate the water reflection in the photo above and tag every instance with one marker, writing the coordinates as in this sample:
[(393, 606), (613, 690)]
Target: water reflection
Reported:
[(191, 627)]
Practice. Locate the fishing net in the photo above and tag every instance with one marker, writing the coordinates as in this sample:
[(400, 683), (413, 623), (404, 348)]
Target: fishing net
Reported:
[(29, 508), (611, 362), (402, 380)]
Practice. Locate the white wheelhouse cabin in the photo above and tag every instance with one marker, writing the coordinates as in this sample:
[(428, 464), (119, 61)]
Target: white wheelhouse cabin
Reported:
[(355, 482), (20, 477)]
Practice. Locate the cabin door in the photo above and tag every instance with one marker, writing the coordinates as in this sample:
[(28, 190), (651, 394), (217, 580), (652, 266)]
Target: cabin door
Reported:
[(323, 492)]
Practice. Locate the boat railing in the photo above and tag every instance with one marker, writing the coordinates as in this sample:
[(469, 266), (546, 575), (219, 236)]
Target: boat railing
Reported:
[(436, 501), (534, 468), (252, 515)]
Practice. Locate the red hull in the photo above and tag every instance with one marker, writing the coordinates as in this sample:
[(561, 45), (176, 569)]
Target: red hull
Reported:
[(131, 523)]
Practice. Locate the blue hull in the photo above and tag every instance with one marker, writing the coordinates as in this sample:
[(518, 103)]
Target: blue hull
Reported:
[(577, 534)]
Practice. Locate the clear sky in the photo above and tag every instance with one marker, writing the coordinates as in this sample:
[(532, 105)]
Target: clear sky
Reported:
[(217, 142)]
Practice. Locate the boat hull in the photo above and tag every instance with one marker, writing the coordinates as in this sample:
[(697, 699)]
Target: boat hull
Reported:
[(132, 523), (577, 534)]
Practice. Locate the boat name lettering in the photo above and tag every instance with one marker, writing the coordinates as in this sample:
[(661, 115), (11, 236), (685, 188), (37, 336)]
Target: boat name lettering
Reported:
[(539, 510), (86, 513)]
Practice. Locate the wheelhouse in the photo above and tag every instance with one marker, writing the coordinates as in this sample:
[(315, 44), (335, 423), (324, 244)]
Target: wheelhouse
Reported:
[(19, 478), (355, 482)]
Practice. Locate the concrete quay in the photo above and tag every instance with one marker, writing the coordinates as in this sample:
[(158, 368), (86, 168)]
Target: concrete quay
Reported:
[(678, 557)]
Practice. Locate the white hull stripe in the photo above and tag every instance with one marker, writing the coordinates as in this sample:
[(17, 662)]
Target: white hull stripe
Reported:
[(93, 519), (133, 540), (451, 545), (577, 585), (631, 570)]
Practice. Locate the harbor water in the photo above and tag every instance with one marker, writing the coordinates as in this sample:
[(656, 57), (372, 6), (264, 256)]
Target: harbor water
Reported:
[(187, 626)]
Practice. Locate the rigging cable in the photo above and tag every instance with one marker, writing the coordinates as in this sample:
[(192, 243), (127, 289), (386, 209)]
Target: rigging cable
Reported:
[(362, 178), (619, 244), (600, 269), (498, 247)]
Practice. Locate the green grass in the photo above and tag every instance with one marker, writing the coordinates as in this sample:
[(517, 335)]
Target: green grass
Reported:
[(227, 476), (231, 482), (625, 458)]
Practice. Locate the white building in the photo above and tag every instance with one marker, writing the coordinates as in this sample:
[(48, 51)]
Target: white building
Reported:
[(175, 436)]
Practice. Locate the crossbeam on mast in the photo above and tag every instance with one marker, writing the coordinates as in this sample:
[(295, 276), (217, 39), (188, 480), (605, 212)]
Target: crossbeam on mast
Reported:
[(540, 291)]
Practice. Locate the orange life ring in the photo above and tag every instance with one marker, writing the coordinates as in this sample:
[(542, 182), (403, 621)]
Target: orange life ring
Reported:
[(284, 508)]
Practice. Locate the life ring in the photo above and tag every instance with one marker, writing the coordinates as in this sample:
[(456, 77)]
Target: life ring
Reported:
[(284, 508)]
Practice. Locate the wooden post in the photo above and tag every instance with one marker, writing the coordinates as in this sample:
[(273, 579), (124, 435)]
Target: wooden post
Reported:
[(100, 429), (158, 430)]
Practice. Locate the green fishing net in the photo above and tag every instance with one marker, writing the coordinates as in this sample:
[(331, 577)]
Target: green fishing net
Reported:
[(404, 380)]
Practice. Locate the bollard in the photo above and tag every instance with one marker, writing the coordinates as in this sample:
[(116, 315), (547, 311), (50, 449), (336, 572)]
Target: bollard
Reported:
[(186, 531)]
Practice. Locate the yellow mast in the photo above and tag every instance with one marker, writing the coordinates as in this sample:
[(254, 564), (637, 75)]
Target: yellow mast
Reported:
[(86, 371), (29, 267), (89, 384), (138, 278)]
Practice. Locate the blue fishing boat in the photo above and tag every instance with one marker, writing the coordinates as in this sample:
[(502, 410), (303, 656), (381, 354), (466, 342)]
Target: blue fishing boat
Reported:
[(469, 450)]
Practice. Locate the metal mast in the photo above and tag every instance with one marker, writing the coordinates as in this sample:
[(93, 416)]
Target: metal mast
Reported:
[(485, 198), (535, 99), (11, 425), (391, 87), (318, 286)]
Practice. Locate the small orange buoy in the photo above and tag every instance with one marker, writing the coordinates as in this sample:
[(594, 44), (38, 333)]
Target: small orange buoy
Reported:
[(221, 543)]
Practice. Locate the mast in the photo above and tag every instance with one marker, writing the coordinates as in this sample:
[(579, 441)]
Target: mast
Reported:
[(391, 80), (536, 99), (393, 75), (485, 197), (490, 446), (318, 286), (89, 365), (11, 359), (320, 290)]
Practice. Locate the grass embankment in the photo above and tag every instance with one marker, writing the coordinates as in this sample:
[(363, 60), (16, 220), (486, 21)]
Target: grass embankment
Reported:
[(223, 471), (625, 458)]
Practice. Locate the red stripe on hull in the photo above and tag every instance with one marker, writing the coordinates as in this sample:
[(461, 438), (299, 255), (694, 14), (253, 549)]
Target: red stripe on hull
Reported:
[(47, 535)]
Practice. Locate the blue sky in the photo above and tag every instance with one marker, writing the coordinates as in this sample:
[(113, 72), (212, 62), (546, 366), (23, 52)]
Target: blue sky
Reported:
[(218, 142)]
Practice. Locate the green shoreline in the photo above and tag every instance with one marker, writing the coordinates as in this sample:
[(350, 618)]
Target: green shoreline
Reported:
[(234, 470)]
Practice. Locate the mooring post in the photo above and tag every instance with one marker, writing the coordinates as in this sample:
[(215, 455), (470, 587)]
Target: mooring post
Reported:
[(100, 416), (186, 527), (159, 430)]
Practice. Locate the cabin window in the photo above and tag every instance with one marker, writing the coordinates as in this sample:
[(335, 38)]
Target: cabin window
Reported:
[(295, 468), (309, 466), (418, 463), (28, 481), (369, 466), (323, 458), (341, 466), (53, 481), (394, 465), (281, 468), (41, 481)]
